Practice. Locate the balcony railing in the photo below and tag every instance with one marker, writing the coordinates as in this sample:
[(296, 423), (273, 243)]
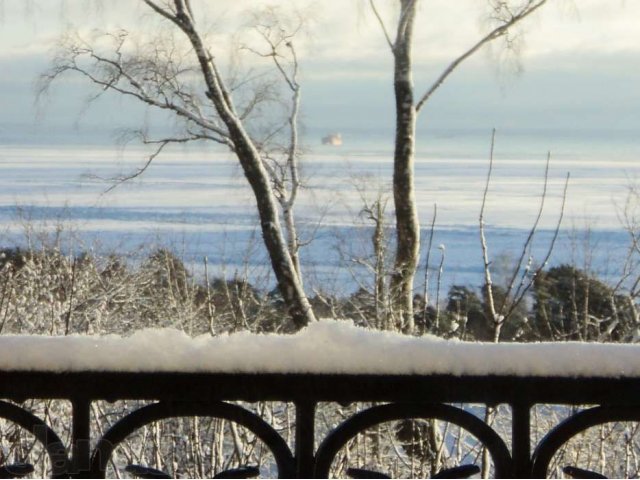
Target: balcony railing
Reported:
[(394, 397), (163, 376)]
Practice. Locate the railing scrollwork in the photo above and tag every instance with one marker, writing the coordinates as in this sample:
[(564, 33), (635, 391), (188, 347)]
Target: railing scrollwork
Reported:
[(164, 410), (44, 435), (570, 428), (390, 412), (395, 399)]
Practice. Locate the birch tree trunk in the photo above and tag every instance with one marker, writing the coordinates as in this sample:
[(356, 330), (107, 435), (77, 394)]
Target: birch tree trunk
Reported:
[(407, 224), (287, 276), (503, 15)]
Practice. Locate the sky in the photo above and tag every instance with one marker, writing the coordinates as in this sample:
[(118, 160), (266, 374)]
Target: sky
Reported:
[(578, 66)]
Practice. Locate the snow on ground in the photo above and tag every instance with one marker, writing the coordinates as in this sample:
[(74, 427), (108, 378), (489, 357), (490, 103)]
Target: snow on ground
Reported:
[(327, 346)]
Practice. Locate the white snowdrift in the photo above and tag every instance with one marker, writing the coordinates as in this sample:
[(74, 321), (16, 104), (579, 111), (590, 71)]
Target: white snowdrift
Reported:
[(326, 346)]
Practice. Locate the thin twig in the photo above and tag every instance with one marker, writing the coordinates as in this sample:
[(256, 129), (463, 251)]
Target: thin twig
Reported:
[(427, 262), (67, 321), (440, 271), (120, 180), (483, 241), (492, 35), (549, 250), (382, 24), (532, 232)]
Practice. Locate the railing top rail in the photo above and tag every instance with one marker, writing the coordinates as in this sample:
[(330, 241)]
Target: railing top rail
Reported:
[(320, 387)]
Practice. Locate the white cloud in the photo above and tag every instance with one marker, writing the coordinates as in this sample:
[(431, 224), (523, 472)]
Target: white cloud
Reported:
[(346, 47), (347, 30)]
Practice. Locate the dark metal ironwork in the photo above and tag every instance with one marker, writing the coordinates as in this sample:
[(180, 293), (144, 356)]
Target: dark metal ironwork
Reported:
[(364, 473), (163, 410), (399, 411), (241, 472), (16, 470), (463, 471), (403, 397), (56, 450), (575, 472), (140, 471), (572, 426)]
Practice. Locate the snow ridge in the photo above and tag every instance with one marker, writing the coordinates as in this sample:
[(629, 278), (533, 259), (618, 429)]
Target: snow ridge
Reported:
[(326, 346)]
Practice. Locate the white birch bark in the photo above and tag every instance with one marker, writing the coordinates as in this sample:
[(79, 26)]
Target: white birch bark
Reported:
[(287, 275)]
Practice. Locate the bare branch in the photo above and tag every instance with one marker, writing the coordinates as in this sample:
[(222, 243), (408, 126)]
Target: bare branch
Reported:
[(161, 145), (497, 32), (189, 10), (166, 14), (382, 24), (428, 260), (532, 231), (488, 283), (520, 293), (216, 90), (283, 161), (130, 76), (439, 285)]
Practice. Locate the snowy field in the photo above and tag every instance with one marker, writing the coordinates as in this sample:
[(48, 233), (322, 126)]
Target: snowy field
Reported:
[(195, 199)]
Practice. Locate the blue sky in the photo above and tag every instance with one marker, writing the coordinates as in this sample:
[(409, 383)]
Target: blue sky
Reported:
[(580, 65)]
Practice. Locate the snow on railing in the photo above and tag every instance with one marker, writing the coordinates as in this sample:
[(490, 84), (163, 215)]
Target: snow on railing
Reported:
[(327, 346), (398, 377)]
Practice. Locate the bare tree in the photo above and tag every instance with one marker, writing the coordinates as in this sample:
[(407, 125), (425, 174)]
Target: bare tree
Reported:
[(524, 273), (374, 211), (503, 15), (282, 160), (188, 84)]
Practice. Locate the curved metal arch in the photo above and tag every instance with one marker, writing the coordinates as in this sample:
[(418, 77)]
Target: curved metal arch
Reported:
[(571, 427), (163, 410), (44, 434), (398, 411)]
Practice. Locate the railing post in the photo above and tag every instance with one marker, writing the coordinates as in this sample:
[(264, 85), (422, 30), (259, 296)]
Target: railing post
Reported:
[(521, 438), (305, 438), (81, 438)]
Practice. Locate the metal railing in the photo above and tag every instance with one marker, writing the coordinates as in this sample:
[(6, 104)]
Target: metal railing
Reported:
[(394, 397)]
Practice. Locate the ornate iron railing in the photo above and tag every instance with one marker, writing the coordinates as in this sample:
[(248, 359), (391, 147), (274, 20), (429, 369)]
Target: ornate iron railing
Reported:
[(395, 397)]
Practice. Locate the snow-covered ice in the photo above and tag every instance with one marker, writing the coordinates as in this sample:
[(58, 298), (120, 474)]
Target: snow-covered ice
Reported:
[(196, 201), (327, 346)]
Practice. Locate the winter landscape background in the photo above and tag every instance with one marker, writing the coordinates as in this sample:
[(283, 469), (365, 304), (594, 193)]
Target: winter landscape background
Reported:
[(195, 201), (79, 258)]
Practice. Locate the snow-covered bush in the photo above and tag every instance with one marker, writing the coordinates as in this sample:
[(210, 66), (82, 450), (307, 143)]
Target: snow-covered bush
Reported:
[(47, 290)]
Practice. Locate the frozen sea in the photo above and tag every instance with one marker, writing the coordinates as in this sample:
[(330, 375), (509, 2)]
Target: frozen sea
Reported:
[(194, 200)]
